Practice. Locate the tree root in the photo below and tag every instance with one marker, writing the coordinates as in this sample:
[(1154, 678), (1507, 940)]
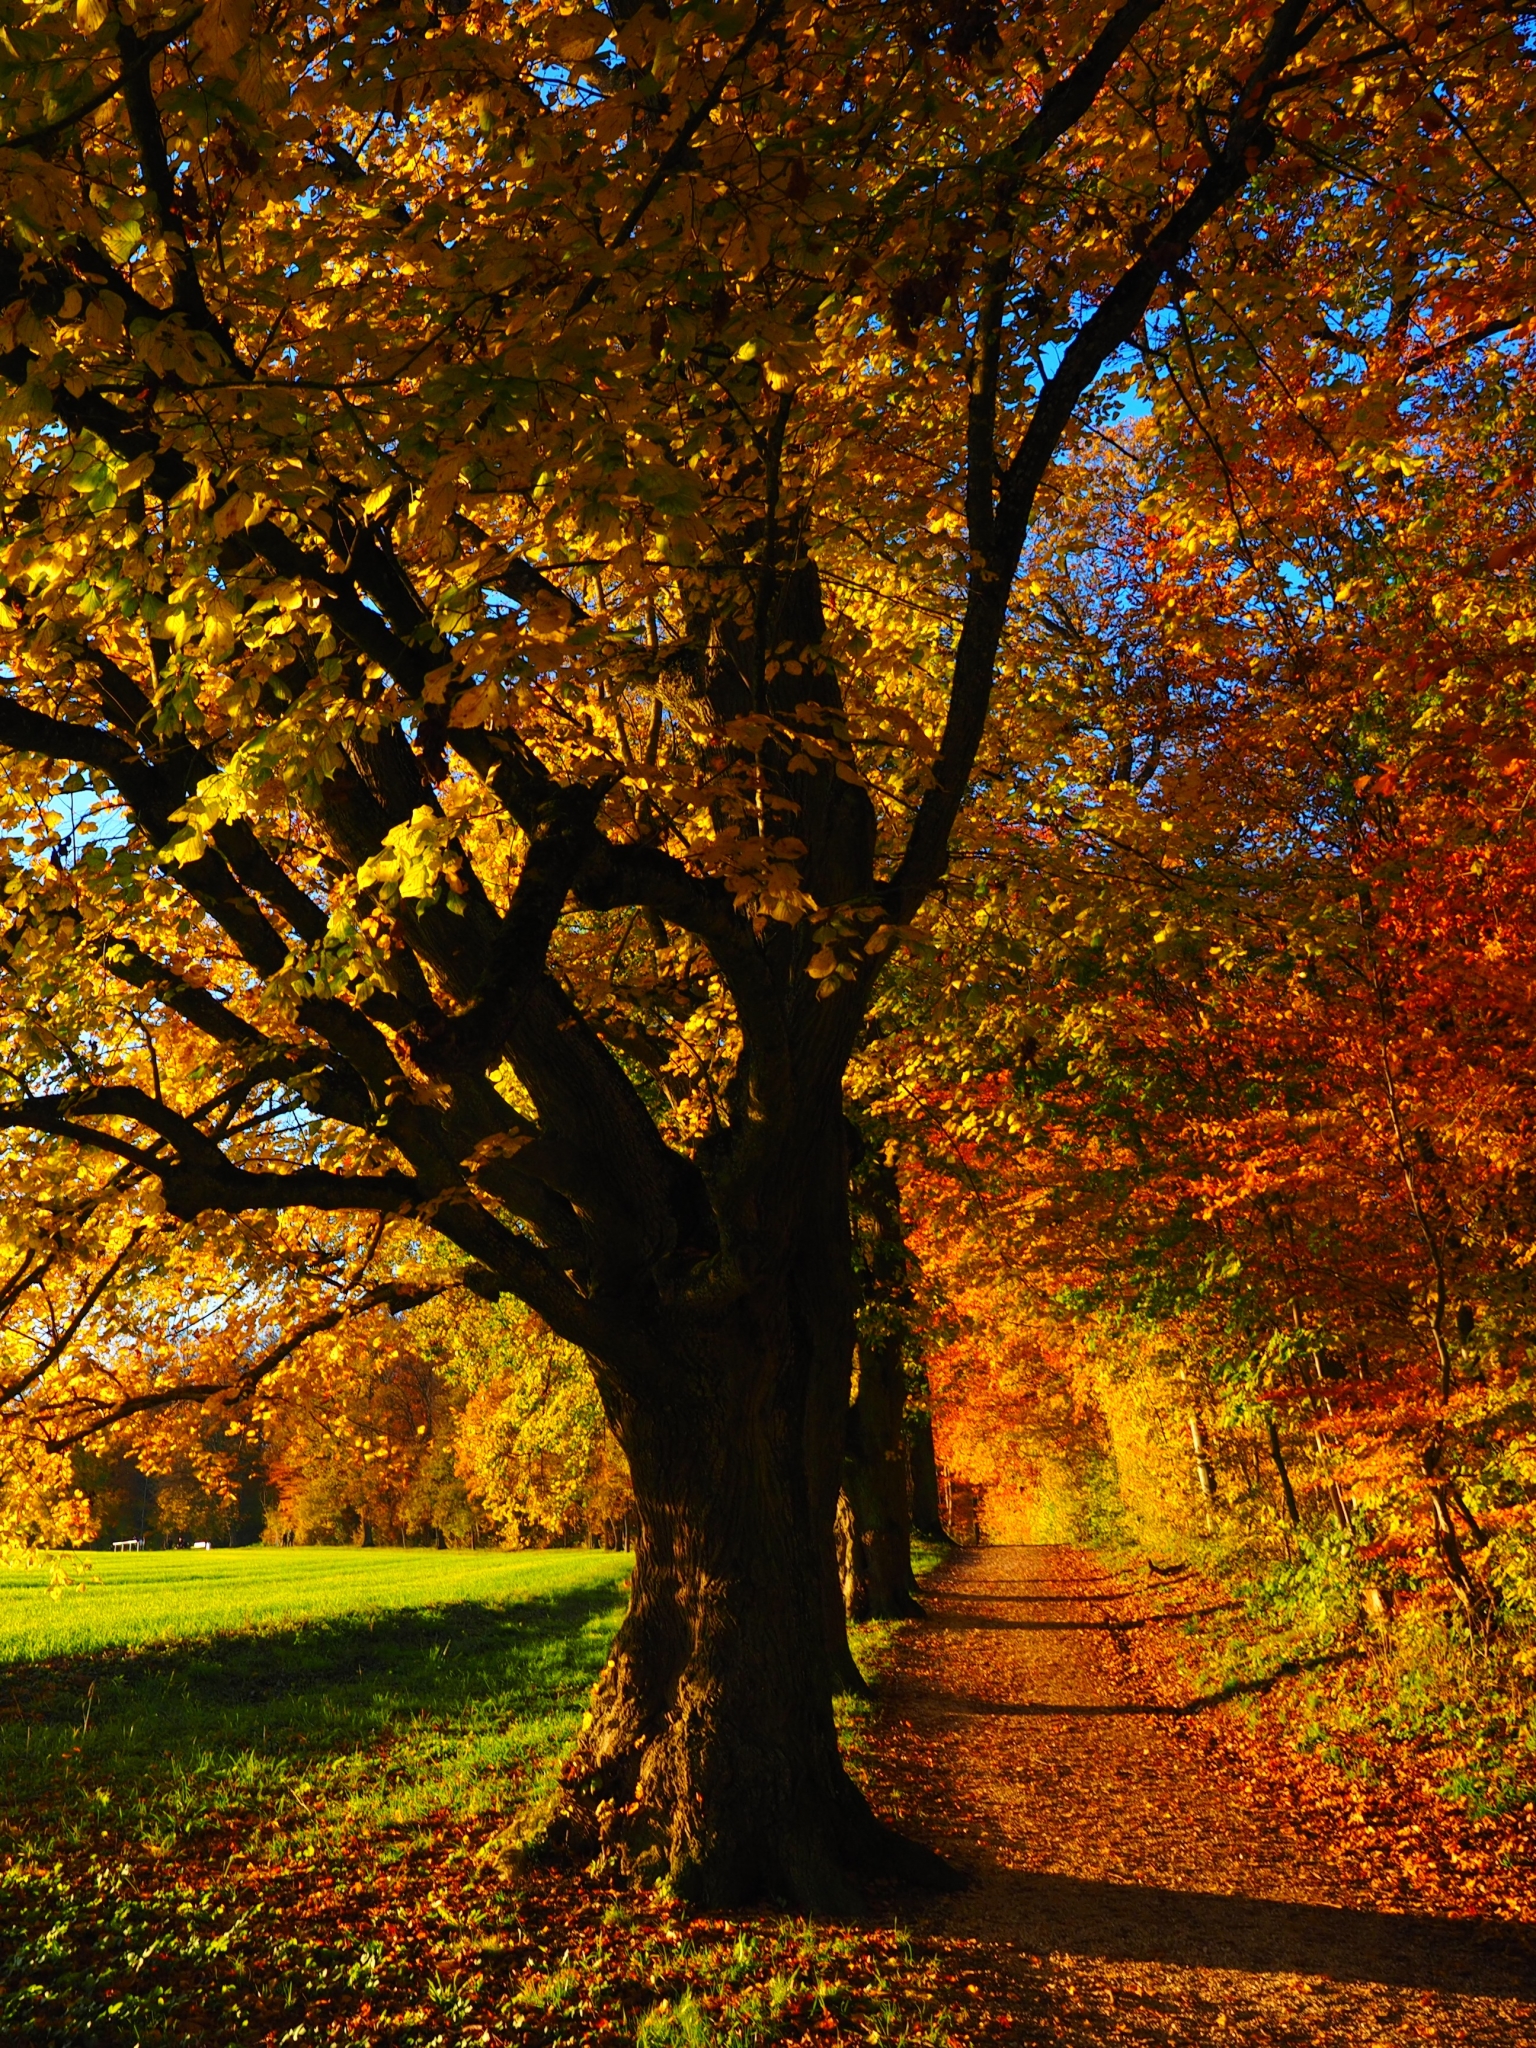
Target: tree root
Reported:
[(818, 1867)]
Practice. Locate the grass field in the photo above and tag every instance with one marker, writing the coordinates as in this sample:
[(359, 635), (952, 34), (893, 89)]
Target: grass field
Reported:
[(255, 1796), (154, 1596), (286, 1707), (181, 1689)]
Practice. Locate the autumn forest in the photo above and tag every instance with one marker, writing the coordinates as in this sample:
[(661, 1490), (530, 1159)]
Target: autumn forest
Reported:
[(768, 935)]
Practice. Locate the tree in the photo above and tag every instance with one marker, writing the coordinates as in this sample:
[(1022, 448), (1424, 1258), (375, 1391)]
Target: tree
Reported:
[(358, 1437), (532, 1445), (511, 520), (875, 1511), (1225, 1067)]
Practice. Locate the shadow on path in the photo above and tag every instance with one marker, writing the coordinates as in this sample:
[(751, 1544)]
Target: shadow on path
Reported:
[(1206, 1930), (1166, 1710), (1041, 1599), (1113, 1623), (1135, 1890)]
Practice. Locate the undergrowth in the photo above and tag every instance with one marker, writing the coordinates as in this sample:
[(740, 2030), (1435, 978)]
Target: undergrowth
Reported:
[(1414, 1688), (1418, 1681)]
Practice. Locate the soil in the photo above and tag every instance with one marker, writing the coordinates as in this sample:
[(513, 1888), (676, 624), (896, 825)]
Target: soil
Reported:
[(1131, 1881)]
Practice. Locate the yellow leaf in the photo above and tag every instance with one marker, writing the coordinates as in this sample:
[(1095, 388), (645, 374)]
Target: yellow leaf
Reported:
[(223, 30), (233, 513), (574, 36)]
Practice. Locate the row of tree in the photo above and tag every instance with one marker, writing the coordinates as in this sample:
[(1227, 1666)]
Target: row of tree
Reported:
[(1231, 1123), (462, 1424)]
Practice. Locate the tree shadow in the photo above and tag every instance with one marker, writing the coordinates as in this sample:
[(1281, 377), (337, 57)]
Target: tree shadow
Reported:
[(406, 1650), (1038, 1599), (962, 1703), (1114, 1625), (1052, 1914)]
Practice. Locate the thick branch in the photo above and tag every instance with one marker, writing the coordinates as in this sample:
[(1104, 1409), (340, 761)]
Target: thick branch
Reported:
[(215, 1019), (151, 797), (145, 48), (614, 877), (203, 1178), (1248, 143), (160, 183), (1066, 102)]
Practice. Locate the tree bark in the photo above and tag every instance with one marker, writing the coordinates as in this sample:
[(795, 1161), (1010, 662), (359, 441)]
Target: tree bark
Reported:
[(926, 1518), (875, 1485), (1478, 1603), (877, 1578), (1205, 1470), (1341, 1507), (1282, 1470), (710, 1754), (852, 1562)]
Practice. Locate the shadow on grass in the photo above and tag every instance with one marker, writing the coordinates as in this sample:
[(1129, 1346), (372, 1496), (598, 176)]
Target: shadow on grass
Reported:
[(165, 1736), (273, 1661)]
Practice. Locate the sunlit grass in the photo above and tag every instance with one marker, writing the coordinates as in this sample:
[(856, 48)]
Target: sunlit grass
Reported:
[(136, 1597), (415, 1681)]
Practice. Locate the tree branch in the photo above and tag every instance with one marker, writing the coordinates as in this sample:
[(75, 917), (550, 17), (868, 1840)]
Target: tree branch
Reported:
[(394, 1295), (1247, 144), (147, 47)]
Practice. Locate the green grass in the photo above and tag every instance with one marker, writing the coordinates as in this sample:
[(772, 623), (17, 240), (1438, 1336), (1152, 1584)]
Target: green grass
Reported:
[(155, 1596), (310, 1710), (415, 1679), (927, 1557)]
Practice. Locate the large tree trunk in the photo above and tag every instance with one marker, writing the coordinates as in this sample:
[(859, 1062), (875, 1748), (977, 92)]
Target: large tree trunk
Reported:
[(875, 1517), (711, 1752), (927, 1518)]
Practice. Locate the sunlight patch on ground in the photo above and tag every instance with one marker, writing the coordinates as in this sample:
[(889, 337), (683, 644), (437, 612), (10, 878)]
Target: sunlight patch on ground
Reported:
[(162, 1596)]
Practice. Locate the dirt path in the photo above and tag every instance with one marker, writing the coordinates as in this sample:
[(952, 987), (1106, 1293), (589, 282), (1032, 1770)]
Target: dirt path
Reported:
[(1126, 1889)]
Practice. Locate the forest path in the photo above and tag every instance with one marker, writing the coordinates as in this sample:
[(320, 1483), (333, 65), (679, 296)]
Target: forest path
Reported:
[(1125, 1888)]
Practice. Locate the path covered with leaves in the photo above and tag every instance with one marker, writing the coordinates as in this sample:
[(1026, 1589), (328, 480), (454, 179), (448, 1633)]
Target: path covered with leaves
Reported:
[(1143, 1871)]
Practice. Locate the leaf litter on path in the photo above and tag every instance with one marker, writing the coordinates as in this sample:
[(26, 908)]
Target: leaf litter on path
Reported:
[(1145, 1870)]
